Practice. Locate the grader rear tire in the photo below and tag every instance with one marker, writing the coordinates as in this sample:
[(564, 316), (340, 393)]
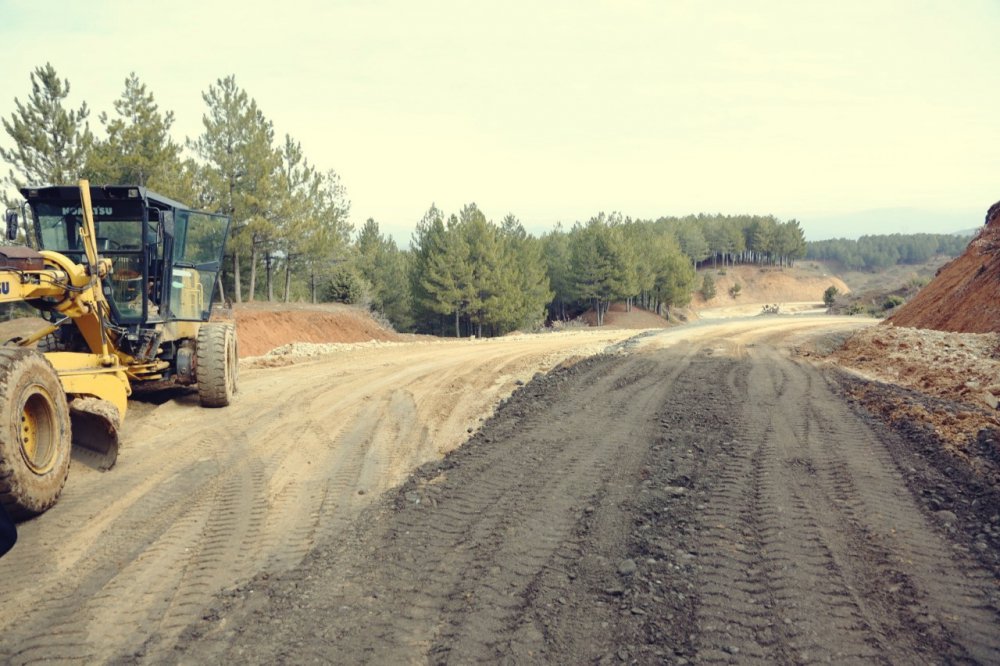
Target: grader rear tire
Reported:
[(35, 437), (217, 364)]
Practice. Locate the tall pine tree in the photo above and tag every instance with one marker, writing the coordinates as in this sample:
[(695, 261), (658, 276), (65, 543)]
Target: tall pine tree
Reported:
[(138, 148), (240, 168), (50, 141)]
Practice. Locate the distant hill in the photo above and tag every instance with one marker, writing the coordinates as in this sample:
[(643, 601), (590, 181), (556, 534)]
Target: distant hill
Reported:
[(889, 278), (890, 221), (805, 282)]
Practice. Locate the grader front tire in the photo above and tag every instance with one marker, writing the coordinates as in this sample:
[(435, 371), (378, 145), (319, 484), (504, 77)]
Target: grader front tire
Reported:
[(35, 437), (217, 364)]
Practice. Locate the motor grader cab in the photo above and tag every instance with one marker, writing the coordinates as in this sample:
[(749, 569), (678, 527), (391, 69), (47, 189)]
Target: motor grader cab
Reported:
[(125, 279)]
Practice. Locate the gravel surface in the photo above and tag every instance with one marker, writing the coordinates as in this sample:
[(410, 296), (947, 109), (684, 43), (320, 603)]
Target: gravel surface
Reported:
[(686, 505), (960, 371)]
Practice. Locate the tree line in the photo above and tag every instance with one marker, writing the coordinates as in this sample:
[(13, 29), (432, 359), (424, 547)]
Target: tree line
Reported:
[(875, 252), (462, 274), (289, 218), (471, 276)]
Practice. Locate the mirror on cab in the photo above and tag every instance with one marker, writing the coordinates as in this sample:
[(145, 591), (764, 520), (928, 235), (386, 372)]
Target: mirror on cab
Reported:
[(10, 217)]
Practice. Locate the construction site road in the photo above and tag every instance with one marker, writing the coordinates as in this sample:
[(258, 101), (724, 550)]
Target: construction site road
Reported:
[(701, 494)]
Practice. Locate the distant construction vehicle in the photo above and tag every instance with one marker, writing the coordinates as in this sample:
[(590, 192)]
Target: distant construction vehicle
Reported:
[(124, 278)]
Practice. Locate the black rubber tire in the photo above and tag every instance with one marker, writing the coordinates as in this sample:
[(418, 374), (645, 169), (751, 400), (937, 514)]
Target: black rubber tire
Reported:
[(35, 436), (49, 344), (66, 338), (217, 366)]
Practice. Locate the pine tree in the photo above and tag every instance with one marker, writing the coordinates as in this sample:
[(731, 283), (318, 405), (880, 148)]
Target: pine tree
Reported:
[(623, 277), (296, 216), (555, 248), (239, 174), (441, 277), (693, 242), (448, 278), (138, 148), (485, 292), (760, 239), (675, 276), (591, 264), (50, 141), (427, 237), (369, 249), (524, 287), (324, 239), (382, 264), (790, 242), (708, 287)]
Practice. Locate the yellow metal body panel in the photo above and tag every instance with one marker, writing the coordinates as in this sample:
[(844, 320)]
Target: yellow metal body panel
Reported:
[(178, 330), (189, 295), (76, 295), (84, 374)]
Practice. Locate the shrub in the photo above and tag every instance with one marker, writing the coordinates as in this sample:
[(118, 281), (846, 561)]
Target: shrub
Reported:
[(735, 290), (830, 296), (708, 287), (856, 309), (891, 301), (345, 285)]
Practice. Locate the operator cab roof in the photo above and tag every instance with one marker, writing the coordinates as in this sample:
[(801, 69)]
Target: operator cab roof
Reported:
[(102, 193)]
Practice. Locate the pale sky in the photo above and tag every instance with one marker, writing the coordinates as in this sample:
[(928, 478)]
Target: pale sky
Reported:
[(554, 111)]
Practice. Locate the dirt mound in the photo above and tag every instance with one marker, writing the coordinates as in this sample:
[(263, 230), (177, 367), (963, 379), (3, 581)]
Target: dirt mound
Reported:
[(261, 327), (964, 297), (765, 285), (962, 369)]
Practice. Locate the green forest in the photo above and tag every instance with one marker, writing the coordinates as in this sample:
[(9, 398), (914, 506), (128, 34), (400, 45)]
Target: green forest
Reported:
[(464, 273), (875, 252)]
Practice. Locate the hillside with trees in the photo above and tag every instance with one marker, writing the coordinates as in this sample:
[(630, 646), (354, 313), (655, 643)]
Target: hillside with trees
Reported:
[(463, 273), (875, 252)]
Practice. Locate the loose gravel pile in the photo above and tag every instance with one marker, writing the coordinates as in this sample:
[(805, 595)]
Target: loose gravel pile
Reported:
[(959, 373), (959, 366)]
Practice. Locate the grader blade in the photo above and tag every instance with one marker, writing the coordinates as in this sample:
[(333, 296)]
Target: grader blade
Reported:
[(95, 431)]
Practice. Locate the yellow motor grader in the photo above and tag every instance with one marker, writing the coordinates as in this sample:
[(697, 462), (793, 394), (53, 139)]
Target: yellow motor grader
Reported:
[(124, 280)]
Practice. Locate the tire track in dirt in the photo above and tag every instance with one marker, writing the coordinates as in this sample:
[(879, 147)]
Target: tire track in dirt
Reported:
[(204, 499), (832, 527), (181, 561), (506, 526), (907, 571), (783, 551), (465, 585), (198, 539), (713, 502)]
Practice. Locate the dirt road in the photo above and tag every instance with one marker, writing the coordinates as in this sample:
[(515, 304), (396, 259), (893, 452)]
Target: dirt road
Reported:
[(203, 499), (704, 497)]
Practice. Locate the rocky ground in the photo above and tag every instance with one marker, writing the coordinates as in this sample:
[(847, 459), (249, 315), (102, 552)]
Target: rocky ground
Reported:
[(959, 372), (262, 327), (939, 392)]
